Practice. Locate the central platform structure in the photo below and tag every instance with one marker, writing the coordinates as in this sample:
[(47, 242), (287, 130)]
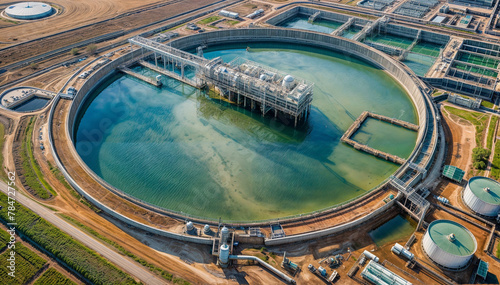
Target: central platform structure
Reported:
[(241, 81)]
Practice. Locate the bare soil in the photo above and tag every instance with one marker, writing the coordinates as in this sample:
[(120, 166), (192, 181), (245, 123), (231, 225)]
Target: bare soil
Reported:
[(127, 22)]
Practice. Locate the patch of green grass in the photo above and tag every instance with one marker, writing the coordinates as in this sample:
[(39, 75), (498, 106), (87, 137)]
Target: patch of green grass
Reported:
[(168, 276), (495, 164), (436, 93), (57, 173), (10, 21), (476, 118), (491, 131), (52, 276), (233, 22), (3, 174), (92, 266), (209, 20), (487, 104), (173, 28), (27, 264), (32, 174), (498, 250), (34, 163)]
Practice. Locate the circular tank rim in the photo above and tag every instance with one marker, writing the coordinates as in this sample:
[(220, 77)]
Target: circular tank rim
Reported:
[(475, 190), (40, 10), (434, 223), (237, 35)]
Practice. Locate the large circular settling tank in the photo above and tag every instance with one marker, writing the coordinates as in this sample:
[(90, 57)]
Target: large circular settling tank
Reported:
[(482, 195), (178, 148), (449, 244), (29, 10)]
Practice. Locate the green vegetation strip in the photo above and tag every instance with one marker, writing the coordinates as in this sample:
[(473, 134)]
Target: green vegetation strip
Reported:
[(477, 119), (4, 238), (487, 104), (498, 250), (27, 264), (2, 141), (491, 131), (52, 276), (31, 169), (87, 262), (209, 20), (495, 167), (120, 248)]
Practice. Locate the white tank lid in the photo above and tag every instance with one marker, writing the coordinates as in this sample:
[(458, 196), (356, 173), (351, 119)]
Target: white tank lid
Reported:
[(288, 78)]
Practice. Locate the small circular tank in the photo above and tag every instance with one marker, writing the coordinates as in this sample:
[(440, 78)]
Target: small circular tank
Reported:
[(224, 254), (482, 195), (449, 244), (288, 82), (29, 10), (224, 234), (189, 226), (206, 229)]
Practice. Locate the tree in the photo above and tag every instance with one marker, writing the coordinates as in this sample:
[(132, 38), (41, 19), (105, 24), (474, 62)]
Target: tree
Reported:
[(480, 158), (479, 165), (74, 51), (34, 65), (92, 49)]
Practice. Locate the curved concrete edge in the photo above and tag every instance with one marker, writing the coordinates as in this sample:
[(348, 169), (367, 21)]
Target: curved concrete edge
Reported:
[(103, 207), (413, 87), (108, 210), (332, 230)]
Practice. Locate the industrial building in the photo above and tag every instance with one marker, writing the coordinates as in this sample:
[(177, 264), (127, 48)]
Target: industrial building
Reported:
[(229, 14), (378, 274), (482, 195), (449, 244), (29, 10), (487, 3)]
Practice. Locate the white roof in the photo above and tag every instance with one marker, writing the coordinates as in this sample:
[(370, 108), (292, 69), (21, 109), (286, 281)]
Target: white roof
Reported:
[(24, 9)]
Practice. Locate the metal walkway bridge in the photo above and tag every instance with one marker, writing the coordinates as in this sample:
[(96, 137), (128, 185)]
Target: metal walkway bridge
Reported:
[(173, 57)]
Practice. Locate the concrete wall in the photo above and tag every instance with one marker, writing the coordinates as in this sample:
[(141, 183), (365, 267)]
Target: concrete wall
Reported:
[(411, 84), (80, 98), (342, 45), (306, 11), (332, 230), (455, 85)]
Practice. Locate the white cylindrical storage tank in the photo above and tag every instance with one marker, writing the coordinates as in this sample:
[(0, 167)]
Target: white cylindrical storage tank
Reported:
[(206, 229), (224, 234), (28, 10), (288, 81), (397, 248), (189, 226), (449, 244), (482, 195), (224, 254), (370, 255)]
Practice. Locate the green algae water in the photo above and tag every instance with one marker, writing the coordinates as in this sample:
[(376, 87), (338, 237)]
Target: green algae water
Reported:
[(319, 25), (395, 229), (179, 149)]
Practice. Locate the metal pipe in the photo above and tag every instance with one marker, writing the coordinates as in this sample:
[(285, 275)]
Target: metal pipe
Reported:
[(264, 264)]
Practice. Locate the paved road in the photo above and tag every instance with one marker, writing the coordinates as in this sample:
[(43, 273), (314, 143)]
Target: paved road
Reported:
[(128, 265)]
